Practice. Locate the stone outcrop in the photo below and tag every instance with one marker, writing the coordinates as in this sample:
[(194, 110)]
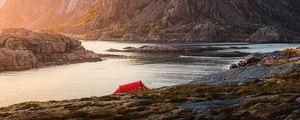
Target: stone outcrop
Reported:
[(272, 34), (239, 75), (257, 66), (23, 49)]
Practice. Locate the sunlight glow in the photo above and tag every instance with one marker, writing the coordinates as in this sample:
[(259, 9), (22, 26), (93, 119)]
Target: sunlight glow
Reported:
[(2, 2)]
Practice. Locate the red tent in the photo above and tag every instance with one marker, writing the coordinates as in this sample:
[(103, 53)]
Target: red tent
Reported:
[(131, 87)]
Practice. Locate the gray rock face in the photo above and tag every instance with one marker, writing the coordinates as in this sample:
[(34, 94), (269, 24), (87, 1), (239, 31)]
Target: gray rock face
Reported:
[(272, 34), (187, 20), (17, 59), (207, 32), (157, 20), (23, 49), (248, 73), (255, 66)]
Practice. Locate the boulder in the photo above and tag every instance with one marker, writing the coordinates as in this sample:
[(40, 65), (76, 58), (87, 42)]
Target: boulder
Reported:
[(233, 66), (254, 58)]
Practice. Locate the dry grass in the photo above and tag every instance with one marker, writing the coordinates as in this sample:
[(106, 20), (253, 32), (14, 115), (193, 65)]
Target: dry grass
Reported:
[(290, 52)]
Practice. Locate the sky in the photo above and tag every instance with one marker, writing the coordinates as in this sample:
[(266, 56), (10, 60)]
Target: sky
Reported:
[(2, 3)]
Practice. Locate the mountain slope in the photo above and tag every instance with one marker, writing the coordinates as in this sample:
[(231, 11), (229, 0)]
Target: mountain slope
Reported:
[(41, 14), (184, 20), (160, 20)]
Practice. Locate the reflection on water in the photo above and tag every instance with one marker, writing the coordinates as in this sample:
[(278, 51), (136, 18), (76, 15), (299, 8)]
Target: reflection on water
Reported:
[(102, 78)]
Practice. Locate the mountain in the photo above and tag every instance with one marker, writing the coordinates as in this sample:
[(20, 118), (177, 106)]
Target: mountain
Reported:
[(160, 20), (41, 14), (188, 20)]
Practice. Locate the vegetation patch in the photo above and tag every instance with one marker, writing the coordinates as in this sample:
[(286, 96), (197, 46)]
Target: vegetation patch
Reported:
[(290, 52)]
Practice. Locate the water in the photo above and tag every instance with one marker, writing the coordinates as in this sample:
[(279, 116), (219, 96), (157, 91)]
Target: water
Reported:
[(102, 78), (262, 48)]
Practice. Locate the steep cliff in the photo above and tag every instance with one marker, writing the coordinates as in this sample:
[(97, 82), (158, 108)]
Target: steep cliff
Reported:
[(184, 20), (41, 14)]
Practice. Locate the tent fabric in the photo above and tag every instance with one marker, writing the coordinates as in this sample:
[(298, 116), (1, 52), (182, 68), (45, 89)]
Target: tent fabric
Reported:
[(131, 87)]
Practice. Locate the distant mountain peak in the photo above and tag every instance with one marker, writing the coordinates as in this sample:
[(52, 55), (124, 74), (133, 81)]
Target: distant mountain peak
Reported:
[(155, 20)]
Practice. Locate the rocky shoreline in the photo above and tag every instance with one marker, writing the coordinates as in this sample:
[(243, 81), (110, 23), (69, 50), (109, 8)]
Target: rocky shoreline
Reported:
[(273, 96), (22, 49), (189, 50)]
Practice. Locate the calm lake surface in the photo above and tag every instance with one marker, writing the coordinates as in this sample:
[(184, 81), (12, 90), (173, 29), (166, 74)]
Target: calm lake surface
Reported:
[(102, 78)]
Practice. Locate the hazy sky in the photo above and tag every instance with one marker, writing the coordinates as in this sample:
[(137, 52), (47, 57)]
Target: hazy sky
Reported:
[(2, 3)]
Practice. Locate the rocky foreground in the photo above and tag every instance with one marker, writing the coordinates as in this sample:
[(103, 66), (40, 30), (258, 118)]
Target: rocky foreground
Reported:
[(22, 49), (275, 96)]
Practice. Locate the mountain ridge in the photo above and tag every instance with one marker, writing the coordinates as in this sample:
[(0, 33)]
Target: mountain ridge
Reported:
[(187, 20), (41, 14), (165, 20)]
